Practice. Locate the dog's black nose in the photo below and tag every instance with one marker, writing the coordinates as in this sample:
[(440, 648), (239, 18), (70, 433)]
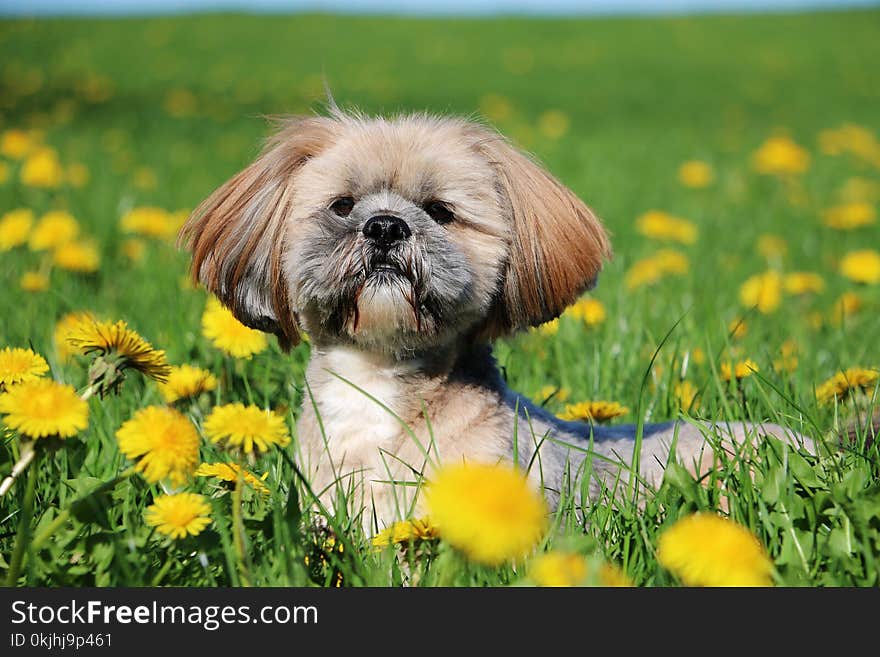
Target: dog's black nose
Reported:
[(385, 230)]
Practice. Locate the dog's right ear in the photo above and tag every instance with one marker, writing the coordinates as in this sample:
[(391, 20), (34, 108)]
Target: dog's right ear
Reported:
[(236, 234)]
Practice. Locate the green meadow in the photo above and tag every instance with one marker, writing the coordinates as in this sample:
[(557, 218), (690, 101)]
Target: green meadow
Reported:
[(782, 114)]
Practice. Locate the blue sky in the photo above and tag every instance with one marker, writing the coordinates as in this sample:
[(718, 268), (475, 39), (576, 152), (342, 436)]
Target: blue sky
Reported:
[(417, 7)]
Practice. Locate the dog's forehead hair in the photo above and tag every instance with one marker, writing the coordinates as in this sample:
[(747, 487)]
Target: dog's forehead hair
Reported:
[(420, 160)]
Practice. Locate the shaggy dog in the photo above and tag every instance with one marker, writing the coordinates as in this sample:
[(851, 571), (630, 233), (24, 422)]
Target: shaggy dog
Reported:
[(403, 246)]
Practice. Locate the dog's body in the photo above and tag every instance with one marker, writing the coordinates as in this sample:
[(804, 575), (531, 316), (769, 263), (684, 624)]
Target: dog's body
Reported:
[(403, 247)]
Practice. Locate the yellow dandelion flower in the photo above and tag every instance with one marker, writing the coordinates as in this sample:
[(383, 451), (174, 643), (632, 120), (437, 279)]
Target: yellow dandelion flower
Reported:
[(162, 441), (762, 291), (737, 328), (489, 512), (739, 370), (52, 230), (42, 169), (788, 360), (845, 307), (77, 174), (248, 428), (860, 190), (842, 383), (590, 311), (122, 347), (853, 139), (19, 366), (803, 282), (134, 249), (553, 124), (862, 266), (16, 144), (150, 222), (230, 472), (780, 156), (593, 411), (41, 408), (179, 515), (662, 226), (695, 174), (548, 329), (404, 532), (34, 281), (707, 550), (685, 394), (229, 335), (648, 271), (15, 228), (557, 394), (772, 246), (850, 216), (64, 328), (185, 381), (77, 256), (558, 569)]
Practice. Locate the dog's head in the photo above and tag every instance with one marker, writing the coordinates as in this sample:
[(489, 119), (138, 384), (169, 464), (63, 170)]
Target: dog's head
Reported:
[(398, 235)]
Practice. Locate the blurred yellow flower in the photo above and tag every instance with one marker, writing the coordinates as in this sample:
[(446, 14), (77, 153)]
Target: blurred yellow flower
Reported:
[(145, 178), (593, 411), (548, 329), (557, 394), (65, 327), (850, 216), (34, 281), (495, 107), (134, 249), (845, 306), (772, 246), (780, 156), (230, 472), (553, 124), (739, 370), (248, 428), (41, 408), (648, 271), (570, 569), (151, 222), (860, 190), (52, 230), (590, 311), (42, 169), (696, 174), (180, 103), (489, 512), (185, 381), (16, 144), (662, 226), (77, 256), (707, 550), (15, 227), (762, 291), (163, 443), (842, 383), (179, 515), (405, 532), (861, 266), (19, 365), (737, 328), (229, 335), (803, 282), (77, 174), (853, 139), (685, 394), (788, 360)]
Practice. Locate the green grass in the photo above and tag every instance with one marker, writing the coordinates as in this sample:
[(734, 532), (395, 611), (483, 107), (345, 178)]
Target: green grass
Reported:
[(641, 96)]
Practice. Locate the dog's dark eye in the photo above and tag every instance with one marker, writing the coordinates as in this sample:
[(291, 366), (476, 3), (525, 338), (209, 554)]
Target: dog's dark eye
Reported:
[(439, 212), (343, 206)]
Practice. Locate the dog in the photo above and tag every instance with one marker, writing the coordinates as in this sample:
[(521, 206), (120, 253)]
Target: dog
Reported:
[(403, 246)]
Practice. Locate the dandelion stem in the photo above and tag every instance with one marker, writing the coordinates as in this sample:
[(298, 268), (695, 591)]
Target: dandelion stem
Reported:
[(50, 530), (88, 392), (24, 529), (238, 538), (162, 572), (27, 455)]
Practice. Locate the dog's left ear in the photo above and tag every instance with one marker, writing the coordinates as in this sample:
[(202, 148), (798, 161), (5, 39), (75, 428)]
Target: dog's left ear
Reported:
[(557, 246)]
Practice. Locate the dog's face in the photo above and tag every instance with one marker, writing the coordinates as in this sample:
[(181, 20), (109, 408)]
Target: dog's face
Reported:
[(396, 235)]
